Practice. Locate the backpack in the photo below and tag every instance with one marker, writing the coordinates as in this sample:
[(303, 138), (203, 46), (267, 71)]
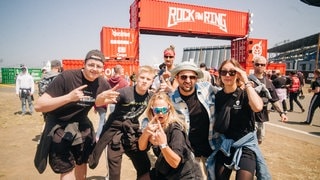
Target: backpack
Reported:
[(44, 83)]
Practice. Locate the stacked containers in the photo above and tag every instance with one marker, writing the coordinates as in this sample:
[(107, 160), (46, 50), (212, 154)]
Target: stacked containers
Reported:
[(9, 74)]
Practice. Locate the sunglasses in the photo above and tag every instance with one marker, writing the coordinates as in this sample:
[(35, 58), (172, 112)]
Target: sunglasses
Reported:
[(168, 57), (225, 72), (92, 66), (258, 64), (158, 110), (184, 77)]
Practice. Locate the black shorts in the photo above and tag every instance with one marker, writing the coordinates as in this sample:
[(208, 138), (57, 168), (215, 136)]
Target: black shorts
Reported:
[(247, 160), (63, 155)]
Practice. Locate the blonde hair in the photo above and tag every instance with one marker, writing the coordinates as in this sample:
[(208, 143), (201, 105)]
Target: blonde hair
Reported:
[(172, 114), (147, 69)]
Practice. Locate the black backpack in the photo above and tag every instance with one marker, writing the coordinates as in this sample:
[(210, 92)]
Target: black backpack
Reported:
[(44, 83)]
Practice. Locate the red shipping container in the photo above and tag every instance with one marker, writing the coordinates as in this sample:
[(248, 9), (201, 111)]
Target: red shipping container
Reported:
[(278, 67), (119, 43), (244, 50), (169, 18), (129, 67), (72, 64)]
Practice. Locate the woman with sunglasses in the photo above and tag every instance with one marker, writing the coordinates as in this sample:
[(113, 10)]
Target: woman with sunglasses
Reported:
[(236, 146), (166, 132)]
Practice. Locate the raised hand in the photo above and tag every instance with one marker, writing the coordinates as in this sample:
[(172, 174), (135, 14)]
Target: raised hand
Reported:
[(77, 94)]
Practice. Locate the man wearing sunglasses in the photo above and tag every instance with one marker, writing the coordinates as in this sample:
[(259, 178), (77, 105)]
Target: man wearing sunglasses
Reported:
[(195, 101), (266, 91)]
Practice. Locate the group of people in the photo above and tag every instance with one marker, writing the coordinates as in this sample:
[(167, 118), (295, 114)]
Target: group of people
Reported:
[(196, 130)]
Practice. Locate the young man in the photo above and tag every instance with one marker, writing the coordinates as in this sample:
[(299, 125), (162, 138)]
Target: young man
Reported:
[(68, 137), (315, 100), (48, 77), (122, 129), (294, 91), (25, 89), (195, 101), (266, 91)]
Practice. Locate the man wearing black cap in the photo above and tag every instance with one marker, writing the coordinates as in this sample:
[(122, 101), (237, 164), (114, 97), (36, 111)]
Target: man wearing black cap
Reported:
[(68, 136), (25, 89)]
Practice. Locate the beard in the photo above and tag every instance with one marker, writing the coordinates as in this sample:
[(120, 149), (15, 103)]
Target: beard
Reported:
[(187, 88)]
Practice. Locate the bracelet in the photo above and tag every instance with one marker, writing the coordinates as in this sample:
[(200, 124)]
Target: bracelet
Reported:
[(246, 83), (162, 146)]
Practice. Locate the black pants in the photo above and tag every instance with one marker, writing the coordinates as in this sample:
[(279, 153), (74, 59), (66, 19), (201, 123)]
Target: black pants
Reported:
[(293, 96), (314, 104), (139, 159)]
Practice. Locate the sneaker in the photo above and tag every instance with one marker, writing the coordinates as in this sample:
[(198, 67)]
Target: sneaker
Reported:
[(290, 110)]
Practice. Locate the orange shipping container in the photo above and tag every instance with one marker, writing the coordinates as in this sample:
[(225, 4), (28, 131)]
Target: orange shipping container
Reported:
[(169, 18), (244, 50), (119, 43), (278, 67), (129, 67)]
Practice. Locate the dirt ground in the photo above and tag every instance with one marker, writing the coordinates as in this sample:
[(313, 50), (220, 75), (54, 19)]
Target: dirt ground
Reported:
[(287, 158)]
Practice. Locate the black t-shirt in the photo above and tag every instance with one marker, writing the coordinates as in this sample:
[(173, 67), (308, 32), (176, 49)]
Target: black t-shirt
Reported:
[(130, 105), (66, 82), (199, 126), (315, 84), (280, 82), (235, 108), (181, 146)]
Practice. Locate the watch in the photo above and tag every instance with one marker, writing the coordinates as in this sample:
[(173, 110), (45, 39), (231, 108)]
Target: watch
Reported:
[(161, 146)]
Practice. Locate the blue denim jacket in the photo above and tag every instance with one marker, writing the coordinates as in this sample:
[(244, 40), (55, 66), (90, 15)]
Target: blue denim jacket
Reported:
[(206, 95), (224, 145)]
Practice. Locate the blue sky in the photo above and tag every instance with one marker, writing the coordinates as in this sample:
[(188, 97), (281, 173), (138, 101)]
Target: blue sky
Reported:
[(33, 32)]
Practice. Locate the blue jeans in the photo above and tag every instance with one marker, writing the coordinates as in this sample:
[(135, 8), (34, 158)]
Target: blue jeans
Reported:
[(23, 104), (102, 114)]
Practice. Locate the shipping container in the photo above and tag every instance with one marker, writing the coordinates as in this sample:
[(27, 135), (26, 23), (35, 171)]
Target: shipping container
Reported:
[(119, 43), (129, 66), (9, 74), (176, 19), (72, 64), (244, 50), (281, 67)]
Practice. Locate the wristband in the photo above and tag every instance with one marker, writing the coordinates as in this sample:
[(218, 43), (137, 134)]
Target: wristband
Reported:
[(247, 83), (162, 146)]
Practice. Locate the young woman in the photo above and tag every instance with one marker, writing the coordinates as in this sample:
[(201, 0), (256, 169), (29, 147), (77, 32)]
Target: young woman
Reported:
[(166, 132), (235, 140)]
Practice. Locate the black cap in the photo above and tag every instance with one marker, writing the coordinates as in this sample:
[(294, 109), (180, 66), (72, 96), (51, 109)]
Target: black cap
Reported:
[(95, 55)]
